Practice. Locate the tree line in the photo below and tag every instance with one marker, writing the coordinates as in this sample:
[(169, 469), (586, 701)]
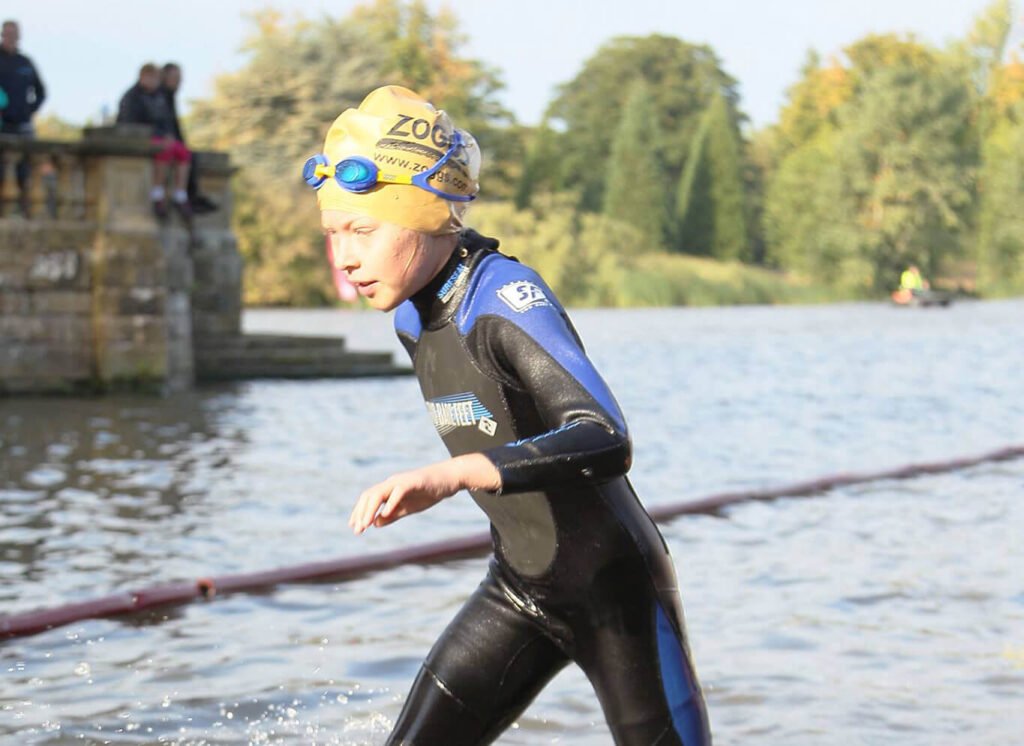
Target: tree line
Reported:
[(644, 183)]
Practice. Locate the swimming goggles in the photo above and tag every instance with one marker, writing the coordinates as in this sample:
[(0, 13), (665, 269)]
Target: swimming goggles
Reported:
[(359, 174)]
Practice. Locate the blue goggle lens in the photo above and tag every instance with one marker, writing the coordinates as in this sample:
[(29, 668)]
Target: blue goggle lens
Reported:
[(309, 174), (356, 174)]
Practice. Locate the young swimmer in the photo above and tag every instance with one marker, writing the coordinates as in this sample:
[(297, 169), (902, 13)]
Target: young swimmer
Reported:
[(580, 573)]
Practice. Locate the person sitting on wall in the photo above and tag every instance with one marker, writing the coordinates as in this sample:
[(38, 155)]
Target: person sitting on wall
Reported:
[(145, 103), (170, 82)]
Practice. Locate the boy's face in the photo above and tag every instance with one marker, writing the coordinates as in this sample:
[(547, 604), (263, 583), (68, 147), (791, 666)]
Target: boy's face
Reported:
[(171, 78), (386, 262), (149, 80)]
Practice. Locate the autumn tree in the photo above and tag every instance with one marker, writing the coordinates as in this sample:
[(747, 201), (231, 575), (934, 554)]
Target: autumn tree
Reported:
[(299, 75), (422, 51), (274, 111), (813, 101), (875, 165)]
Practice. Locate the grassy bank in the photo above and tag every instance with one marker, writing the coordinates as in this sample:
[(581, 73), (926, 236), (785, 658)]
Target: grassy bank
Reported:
[(675, 280), (590, 260)]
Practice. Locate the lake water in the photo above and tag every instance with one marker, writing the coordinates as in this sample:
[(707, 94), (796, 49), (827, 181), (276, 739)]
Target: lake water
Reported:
[(888, 613)]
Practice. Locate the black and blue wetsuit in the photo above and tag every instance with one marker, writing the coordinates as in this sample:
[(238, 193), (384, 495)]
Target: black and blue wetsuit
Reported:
[(580, 572)]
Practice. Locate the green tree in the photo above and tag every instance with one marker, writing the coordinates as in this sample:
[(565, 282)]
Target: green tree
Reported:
[(810, 219), (873, 164), (636, 191), (880, 52), (540, 166), (681, 78), (711, 204), (1000, 254), (980, 53), (908, 164), (761, 160), (277, 225), (582, 257)]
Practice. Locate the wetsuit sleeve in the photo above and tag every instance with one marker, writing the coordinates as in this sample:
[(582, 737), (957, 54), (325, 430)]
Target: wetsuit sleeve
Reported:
[(525, 335)]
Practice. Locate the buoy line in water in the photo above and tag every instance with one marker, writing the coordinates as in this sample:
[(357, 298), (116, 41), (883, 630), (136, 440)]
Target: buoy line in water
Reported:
[(346, 568)]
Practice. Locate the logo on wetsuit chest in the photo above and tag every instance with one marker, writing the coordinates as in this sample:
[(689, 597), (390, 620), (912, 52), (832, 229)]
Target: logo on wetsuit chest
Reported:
[(461, 410), (522, 295)]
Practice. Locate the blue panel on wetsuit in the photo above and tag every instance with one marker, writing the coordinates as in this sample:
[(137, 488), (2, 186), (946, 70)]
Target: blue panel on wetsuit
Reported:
[(407, 320), (674, 677), (505, 288)]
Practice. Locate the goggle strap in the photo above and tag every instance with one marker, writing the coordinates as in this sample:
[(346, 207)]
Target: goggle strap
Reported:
[(394, 178), (322, 170)]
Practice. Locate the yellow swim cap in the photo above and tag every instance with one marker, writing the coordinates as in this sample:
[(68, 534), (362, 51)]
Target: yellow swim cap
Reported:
[(403, 135)]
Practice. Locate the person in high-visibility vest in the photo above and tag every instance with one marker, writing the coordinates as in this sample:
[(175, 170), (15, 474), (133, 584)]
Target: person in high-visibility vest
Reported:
[(911, 280)]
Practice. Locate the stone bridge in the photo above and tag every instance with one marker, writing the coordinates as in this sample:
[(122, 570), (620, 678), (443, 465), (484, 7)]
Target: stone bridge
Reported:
[(96, 295)]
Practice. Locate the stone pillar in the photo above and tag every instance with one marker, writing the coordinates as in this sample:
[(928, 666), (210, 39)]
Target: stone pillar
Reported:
[(141, 271), (95, 292), (217, 292)]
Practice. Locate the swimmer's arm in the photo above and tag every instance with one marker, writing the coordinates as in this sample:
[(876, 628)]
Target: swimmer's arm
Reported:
[(414, 491), (585, 439)]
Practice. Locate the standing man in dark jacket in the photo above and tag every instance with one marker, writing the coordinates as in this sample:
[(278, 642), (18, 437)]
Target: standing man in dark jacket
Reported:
[(23, 94)]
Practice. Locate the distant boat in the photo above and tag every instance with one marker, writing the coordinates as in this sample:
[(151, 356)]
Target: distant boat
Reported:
[(921, 298)]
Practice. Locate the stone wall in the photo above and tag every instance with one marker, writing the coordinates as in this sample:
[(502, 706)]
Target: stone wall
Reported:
[(95, 294), (46, 330), (217, 290)]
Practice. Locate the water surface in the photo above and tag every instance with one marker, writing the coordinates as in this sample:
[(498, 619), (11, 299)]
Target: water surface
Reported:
[(886, 613)]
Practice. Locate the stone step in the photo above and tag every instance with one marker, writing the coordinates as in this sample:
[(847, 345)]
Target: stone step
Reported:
[(273, 356), (285, 354), (349, 369), (270, 342)]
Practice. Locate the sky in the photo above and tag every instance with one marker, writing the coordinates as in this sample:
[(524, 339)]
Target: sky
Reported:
[(89, 52)]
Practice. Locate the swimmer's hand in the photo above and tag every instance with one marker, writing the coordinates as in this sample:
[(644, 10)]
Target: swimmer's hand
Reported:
[(413, 491)]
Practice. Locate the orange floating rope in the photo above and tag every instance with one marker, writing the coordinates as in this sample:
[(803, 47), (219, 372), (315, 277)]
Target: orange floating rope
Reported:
[(346, 568)]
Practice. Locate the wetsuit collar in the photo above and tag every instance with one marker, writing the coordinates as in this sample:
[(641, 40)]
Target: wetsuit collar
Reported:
[(437, 301)]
